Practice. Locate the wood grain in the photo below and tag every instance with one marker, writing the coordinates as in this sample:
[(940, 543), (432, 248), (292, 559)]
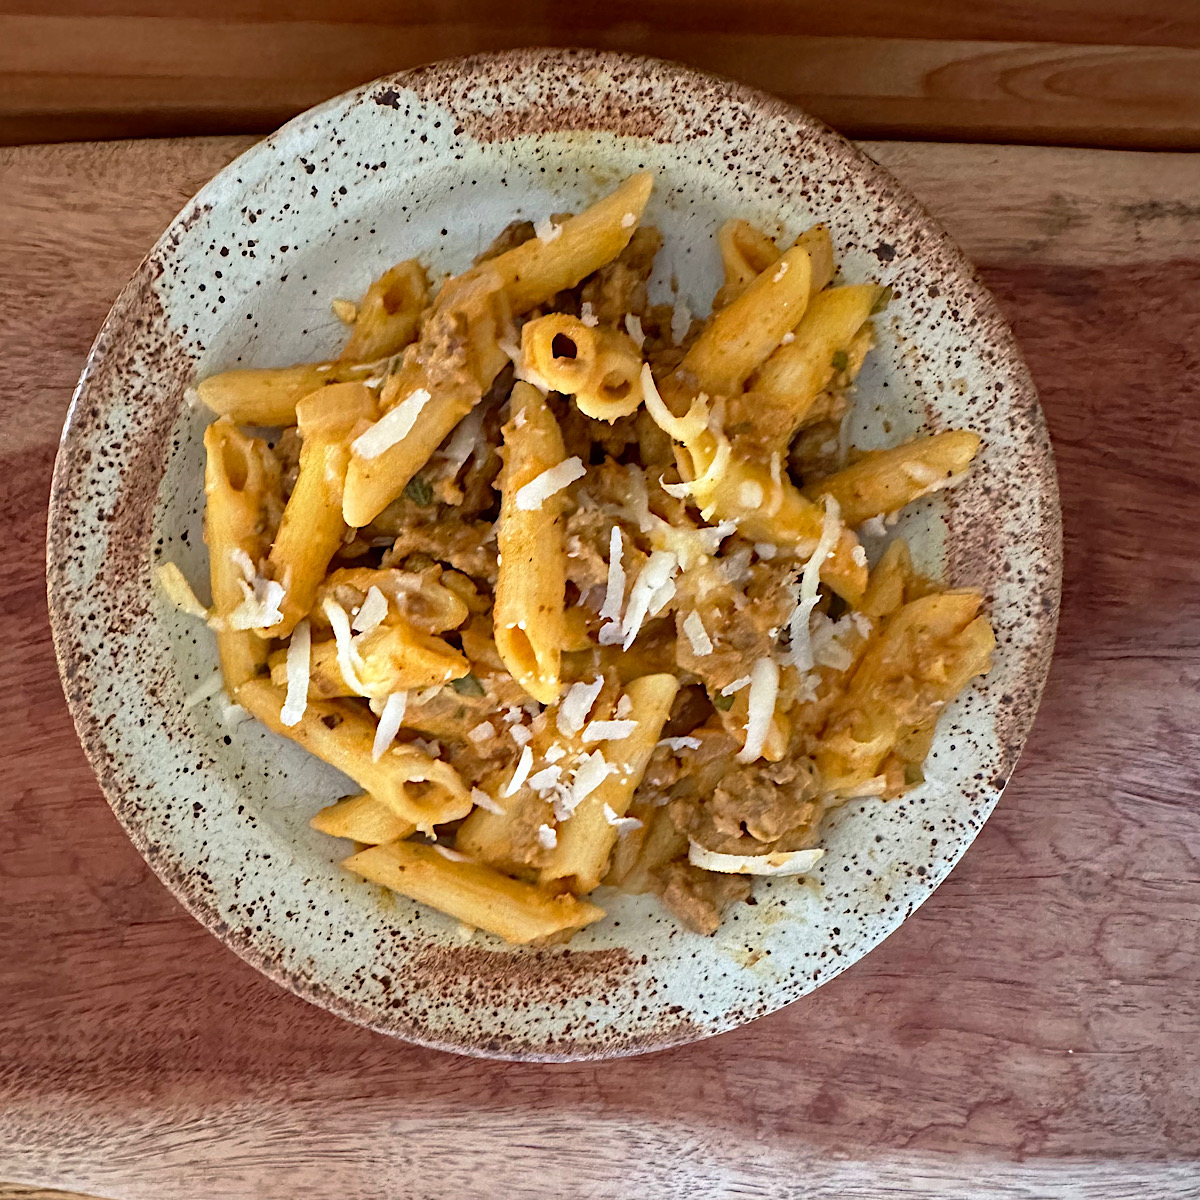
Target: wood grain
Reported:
[(1033, 1031), (75, 69)]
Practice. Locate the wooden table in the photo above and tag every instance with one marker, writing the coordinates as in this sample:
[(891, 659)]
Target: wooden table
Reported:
[(1033, 1031)]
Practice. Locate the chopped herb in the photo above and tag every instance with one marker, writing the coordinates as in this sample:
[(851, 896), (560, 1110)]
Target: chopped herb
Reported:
[(883, 299), (841, 361), (419, 491), (724, 703), (468, 685)]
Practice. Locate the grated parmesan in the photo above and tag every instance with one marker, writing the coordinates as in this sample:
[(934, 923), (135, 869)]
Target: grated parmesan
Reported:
[(576, 704), (750, 494), (587, 314), (657, 571), (859, 556), (464, 441), (389, 723), (608, 731), (796, 862), (675, 744), (554, 754), (481, 799), (546, 230), (545, 779), (298, 659), (810, 581), (624, 708), (521, 734), (633, 327), (259, 608), (177, 589), (592, 771), (623, 825), (783, 270), (551, 481), (348, 659), (521, 773), (628, 221), (547, 837), (874, 527), (736, 686), (482, 732), (697, 635), (787, 339), (764, 687), (374, 609), (452, 855), (392, 427)]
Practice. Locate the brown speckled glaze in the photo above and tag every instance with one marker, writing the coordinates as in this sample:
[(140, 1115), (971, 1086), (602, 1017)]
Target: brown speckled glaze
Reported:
[(433, 162)]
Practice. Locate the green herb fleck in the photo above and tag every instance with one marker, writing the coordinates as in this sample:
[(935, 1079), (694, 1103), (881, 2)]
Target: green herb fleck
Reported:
[(882, 300), (724, 703), (419, 491), (468, 685), (841, 360)]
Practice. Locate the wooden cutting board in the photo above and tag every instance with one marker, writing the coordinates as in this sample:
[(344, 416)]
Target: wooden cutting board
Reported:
[(1033, 1031)]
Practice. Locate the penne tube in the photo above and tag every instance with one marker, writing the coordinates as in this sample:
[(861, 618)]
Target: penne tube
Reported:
[(312, 527), (444, 376), (389, 315), (601, 368), (531, 585), (796, 374), (391, 658), (536, 271), (819, 245), (768, 508), (476, 895), (241, 477), (889, 581), (586, 838), (740, 337), (884, 481), (362, 819), (921, 659), (746, 252), (417, 788)]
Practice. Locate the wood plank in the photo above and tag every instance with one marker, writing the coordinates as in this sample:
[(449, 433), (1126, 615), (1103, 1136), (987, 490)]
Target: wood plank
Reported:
[(76, 76), (19, 1191), (1033, 1031)]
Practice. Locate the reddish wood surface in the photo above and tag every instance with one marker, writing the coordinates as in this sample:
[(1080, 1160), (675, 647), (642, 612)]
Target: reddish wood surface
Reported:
[(1033, 1031), (1066, 72)]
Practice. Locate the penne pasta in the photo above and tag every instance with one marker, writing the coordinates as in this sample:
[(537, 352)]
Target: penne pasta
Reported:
[(536, 271), (586, 838), (884, 481), (476, 895), (390, 658), (445, 375), (241, 483), (414, 786), (739, 338), (312, 527), (530, 587), (389, 315), (362, 819), (601, 368)]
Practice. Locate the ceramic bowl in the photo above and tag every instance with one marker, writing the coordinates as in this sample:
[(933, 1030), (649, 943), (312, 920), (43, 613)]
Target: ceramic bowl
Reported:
[(433, 162)]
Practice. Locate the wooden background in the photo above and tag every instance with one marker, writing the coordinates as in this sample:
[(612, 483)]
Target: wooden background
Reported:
[(1032, 1032), (1122, 73)]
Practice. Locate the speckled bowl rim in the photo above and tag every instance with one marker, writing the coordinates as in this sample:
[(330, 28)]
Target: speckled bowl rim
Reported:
[(763, 106)]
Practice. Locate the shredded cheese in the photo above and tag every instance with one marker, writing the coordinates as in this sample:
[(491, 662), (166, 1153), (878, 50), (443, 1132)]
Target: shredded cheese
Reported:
[(259, 608), (683, 429), (783, 269), (697, 635), (524, 765), (521, 734), (587, 314), (576, 704), (547, 837), (452, 855), (608, 731), (614, 595), (633, 327), (675, 744), (628, 221), (482, 732), (551, 481), (546, 230), (298, 659), (545, 779), (764, 688), (623, 825), (177, 589), (374, 609), (481, 799), (392, 427), (859, 555), (736, 686), (389, 723), (796, 862), (656, 572), (348, 659), (592, 771), (464, 441), (810, 581)]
